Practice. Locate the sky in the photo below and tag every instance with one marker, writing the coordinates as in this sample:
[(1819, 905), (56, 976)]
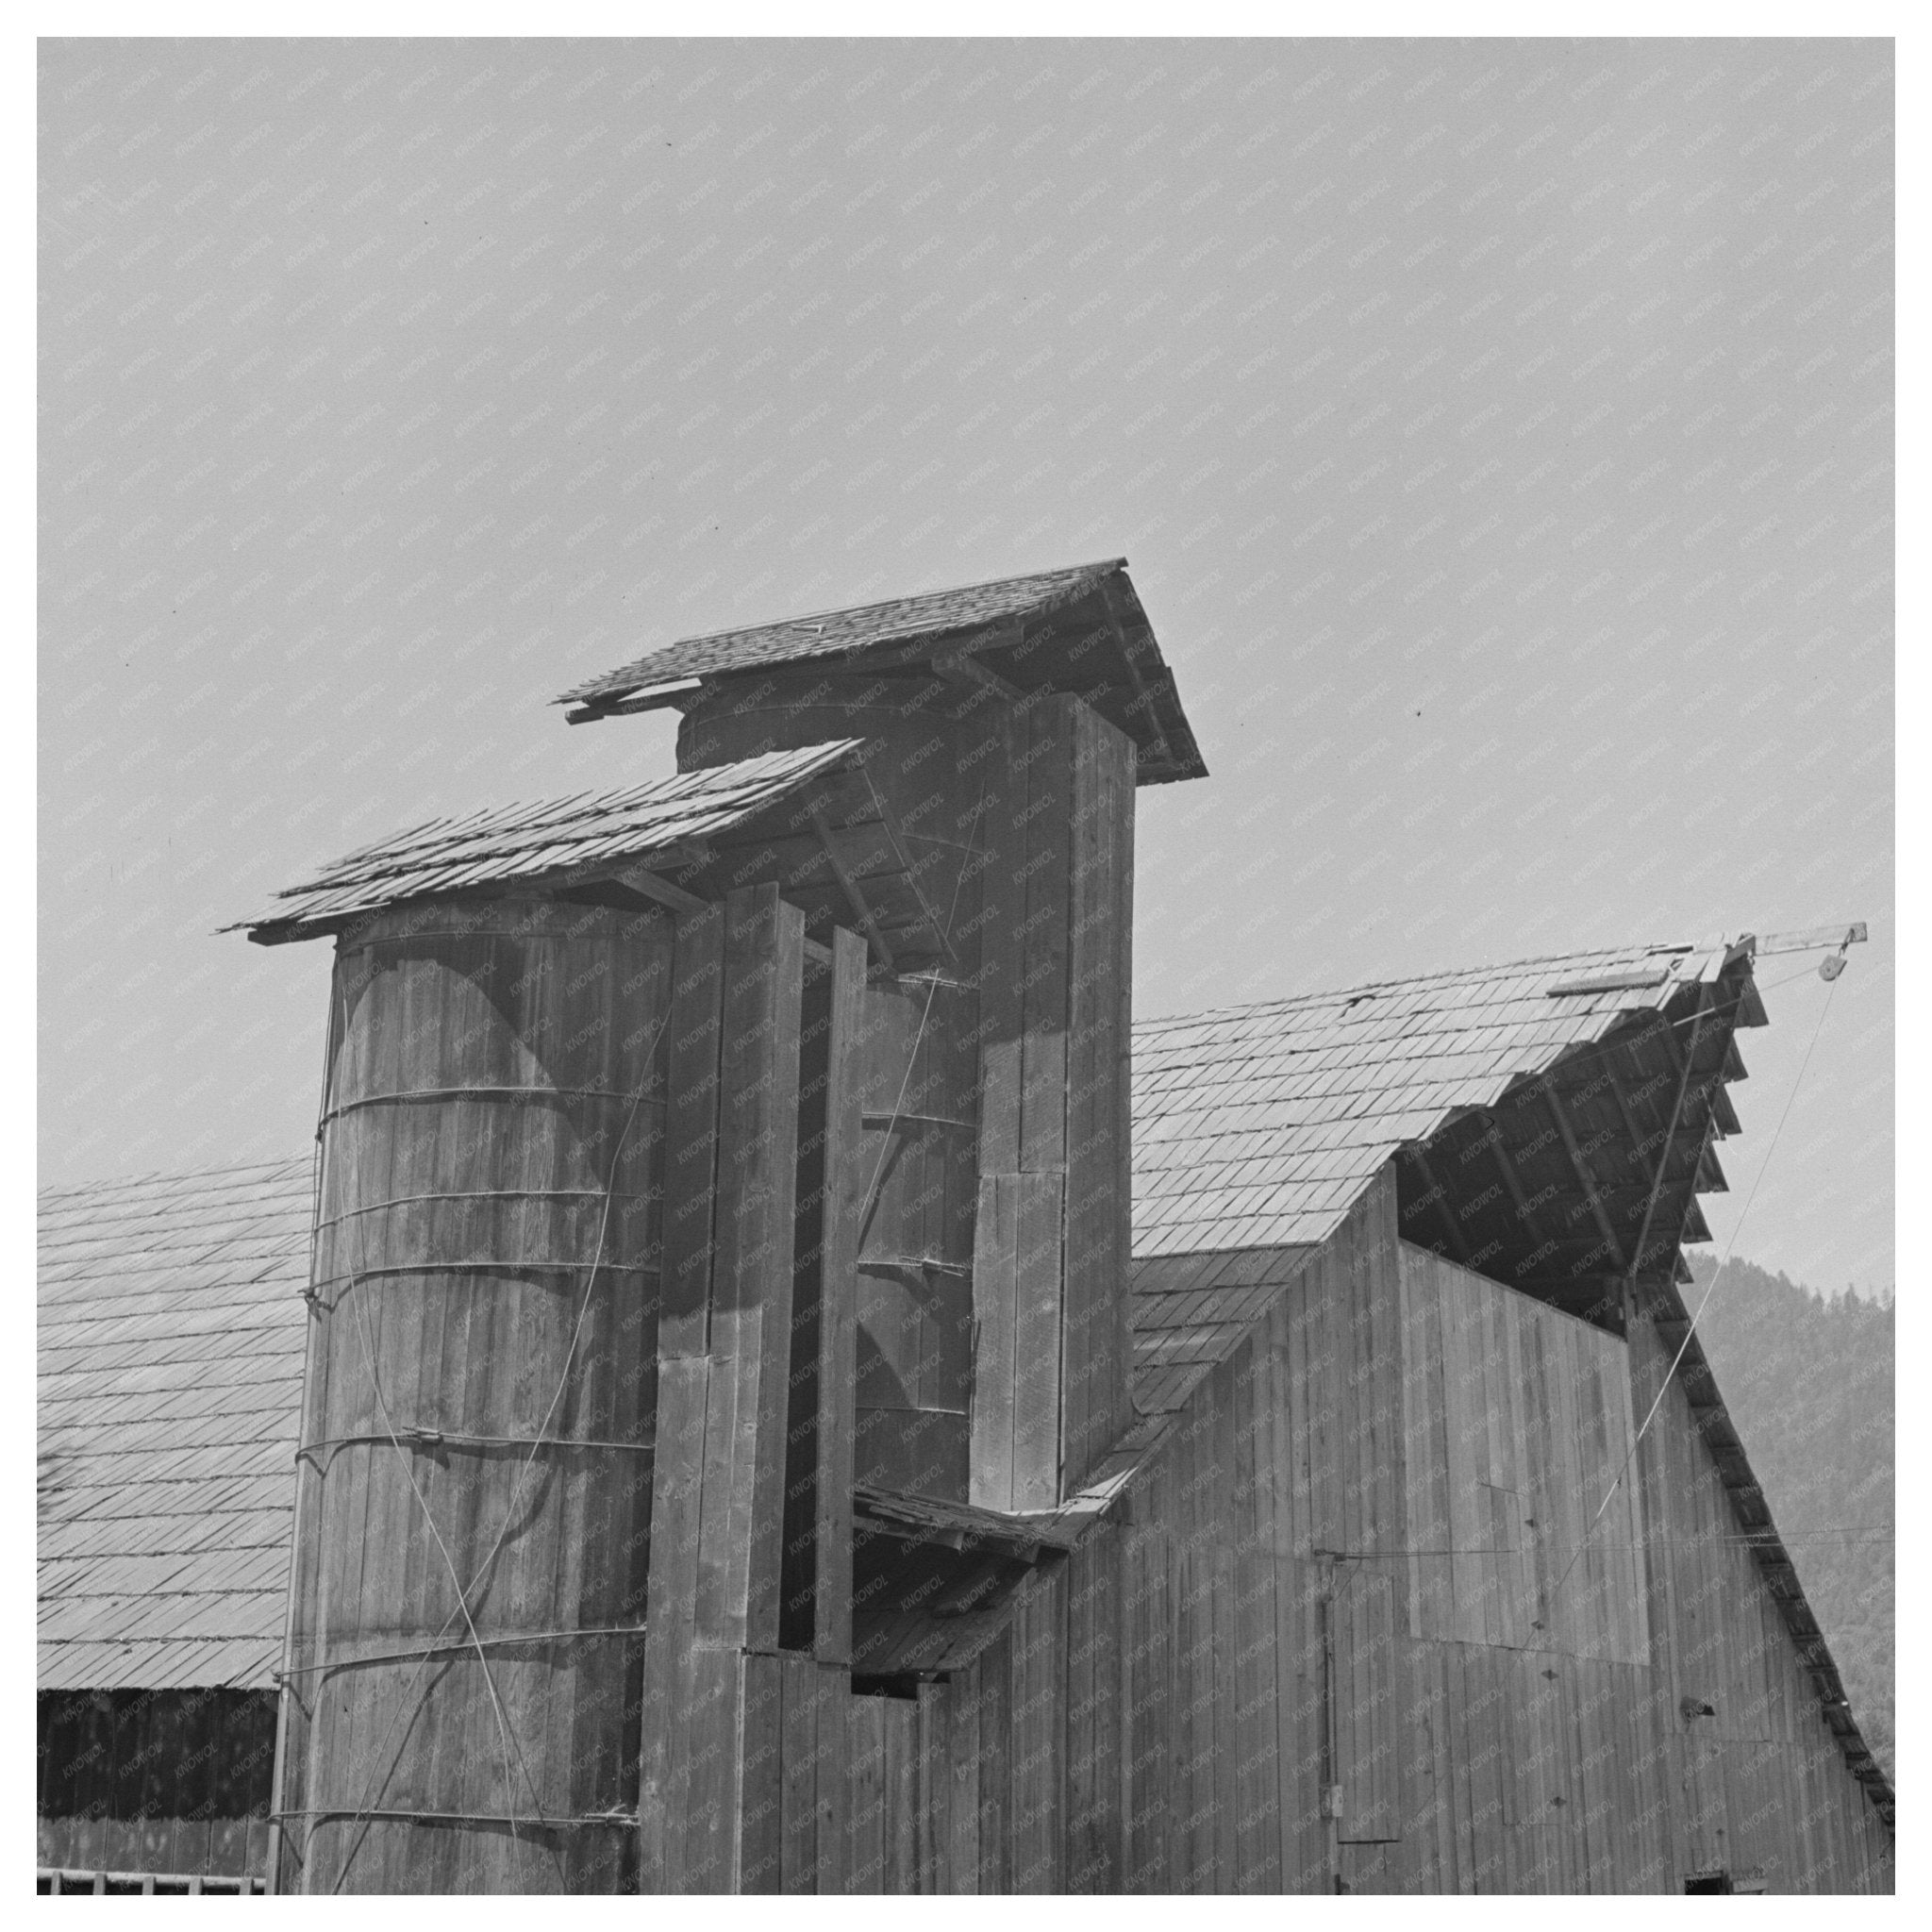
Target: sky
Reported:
[(1499, 435)]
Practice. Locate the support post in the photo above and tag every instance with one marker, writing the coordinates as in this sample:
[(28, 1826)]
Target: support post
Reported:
[(1053, 1352), (817, 1611), (710, 1713)]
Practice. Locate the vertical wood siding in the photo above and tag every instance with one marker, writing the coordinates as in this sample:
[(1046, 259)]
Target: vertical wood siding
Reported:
[(165, 1781), (710, 1811), (934, 760), (1053, 1352), (1155, 1717)]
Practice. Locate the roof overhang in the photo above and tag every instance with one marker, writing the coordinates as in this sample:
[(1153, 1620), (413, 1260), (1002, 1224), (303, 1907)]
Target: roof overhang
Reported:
[(1584, 1173), (1081, 631), (810, 820)]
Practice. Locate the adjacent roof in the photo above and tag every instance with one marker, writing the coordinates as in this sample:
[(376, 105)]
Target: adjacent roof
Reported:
[(167, 1454), (171, 1323), (543, 845), (1080, 630), (170, 1337), (1256, 1126)]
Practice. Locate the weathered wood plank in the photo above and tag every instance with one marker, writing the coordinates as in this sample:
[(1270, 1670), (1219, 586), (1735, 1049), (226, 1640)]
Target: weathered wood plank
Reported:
[(1037, 1339), (798, 1755), (899, 1795), (1044, 927), (751, 1296), (963, 1772), (714, 1820), (933, 1874), (1385, 1484), (692, 1048), (1256, 1762), (995, 1314), (1149, 1719), (1036, 1766), (760, 1794), (1003, 913), (844, 1184), (1096, 1348), (1215, 1510), (833, 1687), (996, 1748), (683, 1391), (866, 1829), (1091, 1718)]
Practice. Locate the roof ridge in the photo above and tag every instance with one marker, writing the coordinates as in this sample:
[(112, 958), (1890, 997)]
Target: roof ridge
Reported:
[(805, 617), (534, 816), (1446, 975), (55, 1192), (524, 840), (1200, 1016)]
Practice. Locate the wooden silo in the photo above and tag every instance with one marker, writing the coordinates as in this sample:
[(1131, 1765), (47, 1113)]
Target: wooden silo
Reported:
[(474, 1523), (560, 1242)]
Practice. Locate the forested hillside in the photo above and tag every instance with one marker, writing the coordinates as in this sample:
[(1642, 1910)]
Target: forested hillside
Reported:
[(1808, 1383)]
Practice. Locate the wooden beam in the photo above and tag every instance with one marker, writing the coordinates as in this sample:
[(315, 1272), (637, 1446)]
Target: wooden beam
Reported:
[(1708, 1087), (1633, 1133), (844, 1184), (853, 897), (656, 697), (691, 1135), (795, 858), (648, 885), (891, 829), (1005, 635), (1016, 1366), (724, 1335), (962, 667), (1512, 1181), (1595, 1298), (1568, 1134), (918, 1265), (1143, 700), (1097, 1343), (1442, 1201), (750, 1279), (670, 859), (683, 1391), (1663, 1159), (1003, 915), (1816, 939)]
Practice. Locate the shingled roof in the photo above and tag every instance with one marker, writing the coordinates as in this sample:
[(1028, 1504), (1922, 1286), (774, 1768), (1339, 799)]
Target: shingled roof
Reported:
[(543, 845), (1081, 629), (170, 1337), (1258, 1126), (170, 1318)]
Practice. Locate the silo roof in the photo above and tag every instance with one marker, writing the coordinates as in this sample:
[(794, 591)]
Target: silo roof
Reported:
[(1079, 630), (548, 845)]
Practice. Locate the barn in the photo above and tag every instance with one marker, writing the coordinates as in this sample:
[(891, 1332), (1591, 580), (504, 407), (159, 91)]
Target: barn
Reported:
[(774, 1381)]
